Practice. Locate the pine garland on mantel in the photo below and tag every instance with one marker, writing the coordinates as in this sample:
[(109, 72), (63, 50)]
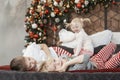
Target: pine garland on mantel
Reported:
[(43, 14)]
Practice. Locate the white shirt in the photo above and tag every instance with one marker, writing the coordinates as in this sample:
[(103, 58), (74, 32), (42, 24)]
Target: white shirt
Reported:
[(81, 41), (34, 50)]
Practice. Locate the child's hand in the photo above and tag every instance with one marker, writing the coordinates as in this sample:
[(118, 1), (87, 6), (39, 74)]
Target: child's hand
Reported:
[(74, 55)]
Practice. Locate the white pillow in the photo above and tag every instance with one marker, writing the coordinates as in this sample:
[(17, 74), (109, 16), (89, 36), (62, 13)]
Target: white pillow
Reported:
[(65, 35), (116, 37), (101, 38)]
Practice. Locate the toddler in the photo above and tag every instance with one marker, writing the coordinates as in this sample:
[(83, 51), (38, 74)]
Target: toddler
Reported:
[(79, 41)]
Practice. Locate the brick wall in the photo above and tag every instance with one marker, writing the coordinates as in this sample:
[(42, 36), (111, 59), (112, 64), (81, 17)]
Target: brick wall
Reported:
[(97, 17)]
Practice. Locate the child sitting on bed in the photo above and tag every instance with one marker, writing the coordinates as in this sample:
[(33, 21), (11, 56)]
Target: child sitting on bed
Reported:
[(102, 60), (79, 40), (34, 55)]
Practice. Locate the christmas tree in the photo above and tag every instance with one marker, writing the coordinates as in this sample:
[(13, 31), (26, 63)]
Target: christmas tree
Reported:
[(53, 14)]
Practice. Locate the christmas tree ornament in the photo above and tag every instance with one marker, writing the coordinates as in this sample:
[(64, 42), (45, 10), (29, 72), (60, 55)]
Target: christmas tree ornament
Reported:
[(42, 8), (39, 21), (39, 6), (57, 20), (39, 29), (86, 2), (55, 3), (56, 11), (31, 8), (46, 11), (34, 26), (31, 11), (36, 36), (40, 34), (44, 38), (68, 5), (76, 1), (61, 4), (52, 14), (64, 20), (78, 5), (83, 6), (60, 13), (31, 34)]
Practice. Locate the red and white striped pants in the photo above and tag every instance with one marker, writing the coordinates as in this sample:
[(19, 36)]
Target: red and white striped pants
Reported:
[(61, 51), (103, 58)]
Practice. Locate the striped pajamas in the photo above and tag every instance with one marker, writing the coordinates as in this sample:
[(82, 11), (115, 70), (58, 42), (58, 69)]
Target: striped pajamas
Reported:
[(103, 58), (61, 52)]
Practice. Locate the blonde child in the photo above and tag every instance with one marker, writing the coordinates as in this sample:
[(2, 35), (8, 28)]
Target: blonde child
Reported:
[(78, 40)]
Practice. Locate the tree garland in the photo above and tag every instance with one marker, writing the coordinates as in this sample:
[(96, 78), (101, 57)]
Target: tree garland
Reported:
[(43, 14)]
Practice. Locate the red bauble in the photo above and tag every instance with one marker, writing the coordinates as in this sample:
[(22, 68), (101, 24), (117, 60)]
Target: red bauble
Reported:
[(36, 36), (46, 11), (56, 10), (31, 34), (78, 5)]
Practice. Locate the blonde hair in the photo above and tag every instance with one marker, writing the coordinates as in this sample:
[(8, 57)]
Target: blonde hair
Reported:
[(18, 64), (79, 21)]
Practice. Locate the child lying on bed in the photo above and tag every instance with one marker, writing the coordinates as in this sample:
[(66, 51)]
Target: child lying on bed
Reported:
[(34, 55), (102, 60)]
